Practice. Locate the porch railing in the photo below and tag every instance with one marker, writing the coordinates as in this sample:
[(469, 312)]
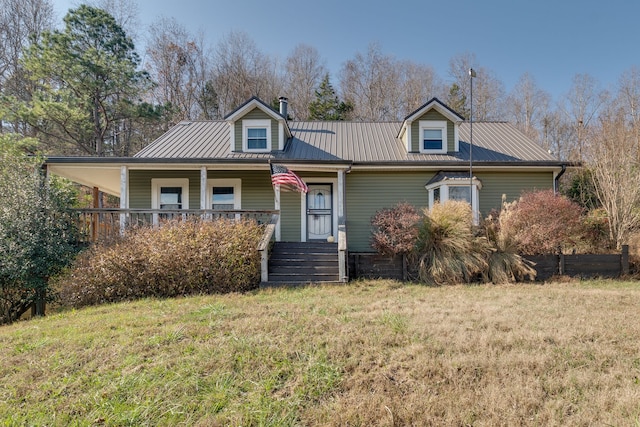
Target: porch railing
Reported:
[(109, 223)]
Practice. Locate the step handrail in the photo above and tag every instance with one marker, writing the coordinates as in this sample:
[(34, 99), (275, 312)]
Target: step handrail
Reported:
[(263, 247)]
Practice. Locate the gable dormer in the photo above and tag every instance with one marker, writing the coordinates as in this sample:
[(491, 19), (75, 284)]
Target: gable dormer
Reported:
[(431, 129), (255, 128)]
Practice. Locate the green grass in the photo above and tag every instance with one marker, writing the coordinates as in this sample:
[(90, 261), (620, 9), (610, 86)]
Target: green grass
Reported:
[(368, 353)]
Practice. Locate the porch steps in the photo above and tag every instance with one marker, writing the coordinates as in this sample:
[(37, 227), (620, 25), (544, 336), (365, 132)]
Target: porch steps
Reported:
[(293, 263)]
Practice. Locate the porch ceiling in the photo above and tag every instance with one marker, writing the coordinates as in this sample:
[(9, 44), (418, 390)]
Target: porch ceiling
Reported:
[(106, 178)]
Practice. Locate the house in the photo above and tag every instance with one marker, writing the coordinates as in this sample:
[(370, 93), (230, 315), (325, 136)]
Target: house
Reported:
[(352, 169)]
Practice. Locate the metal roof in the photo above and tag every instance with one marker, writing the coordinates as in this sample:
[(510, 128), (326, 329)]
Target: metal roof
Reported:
[(357, 142)]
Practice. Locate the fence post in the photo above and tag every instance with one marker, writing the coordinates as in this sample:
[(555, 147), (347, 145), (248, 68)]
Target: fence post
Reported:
[(624, 260), (405, 273), (561, 266)]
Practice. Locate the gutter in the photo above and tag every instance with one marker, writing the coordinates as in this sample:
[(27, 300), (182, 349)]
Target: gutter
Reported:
[(556, 180)]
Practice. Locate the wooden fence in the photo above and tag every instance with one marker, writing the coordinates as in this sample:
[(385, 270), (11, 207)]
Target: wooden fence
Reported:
[(371, 265)]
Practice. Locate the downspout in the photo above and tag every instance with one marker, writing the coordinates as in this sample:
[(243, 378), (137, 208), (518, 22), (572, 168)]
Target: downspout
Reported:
[(556, 180)]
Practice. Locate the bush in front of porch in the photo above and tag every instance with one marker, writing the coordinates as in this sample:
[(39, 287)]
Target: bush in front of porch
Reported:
[(179, 258)]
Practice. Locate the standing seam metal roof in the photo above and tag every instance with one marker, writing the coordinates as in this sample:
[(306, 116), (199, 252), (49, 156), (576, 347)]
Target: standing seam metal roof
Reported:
[(359, 142)]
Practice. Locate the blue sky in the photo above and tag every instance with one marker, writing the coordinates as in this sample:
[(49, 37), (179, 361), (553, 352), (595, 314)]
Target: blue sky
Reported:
[(552, 40)]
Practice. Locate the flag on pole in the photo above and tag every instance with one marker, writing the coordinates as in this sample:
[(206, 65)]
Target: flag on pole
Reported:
[(287, 180)]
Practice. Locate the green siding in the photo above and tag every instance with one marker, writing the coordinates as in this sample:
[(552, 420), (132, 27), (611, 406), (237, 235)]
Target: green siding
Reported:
[(509, 184), (256, 114), (290, 227), (257, 192), (368, 192), (436, 116), (140, 186)]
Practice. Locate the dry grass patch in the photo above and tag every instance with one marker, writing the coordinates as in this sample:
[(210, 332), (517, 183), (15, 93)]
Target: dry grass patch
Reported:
[(370, 353)]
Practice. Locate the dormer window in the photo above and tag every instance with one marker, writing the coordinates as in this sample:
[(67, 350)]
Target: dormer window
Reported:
[(433, 136), (256, 135)]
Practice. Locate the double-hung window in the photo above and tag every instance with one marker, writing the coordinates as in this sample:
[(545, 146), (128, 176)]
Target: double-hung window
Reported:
[(169, 194), (224, 194), (433, 136), (256, 135), (171, 197)]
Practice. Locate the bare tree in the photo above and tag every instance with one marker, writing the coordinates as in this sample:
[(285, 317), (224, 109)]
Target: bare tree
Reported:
[(242, 71), (370, 83), (304, 72), (580, 107), (527, 106), (180, 66), (613, 159), (488, 90), (628, 99), (418, 84), (556, 134)]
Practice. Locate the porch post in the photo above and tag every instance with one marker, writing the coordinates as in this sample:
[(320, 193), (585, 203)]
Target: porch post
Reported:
[(203, 187), (342, 232), (124, 197), (276, 206), (94, 216)]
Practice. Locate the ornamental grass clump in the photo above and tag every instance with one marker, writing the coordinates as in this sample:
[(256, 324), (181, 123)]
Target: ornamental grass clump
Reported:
[(504, 264), (447, 249), (179, 258)]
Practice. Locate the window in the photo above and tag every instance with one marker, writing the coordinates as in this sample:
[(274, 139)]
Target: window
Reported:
[(432, 139), (170, 197), (446, 186), (257, 138), (256, 135), (461, 193), (170, 193), (222, 198), (224, 194), (433, 136)]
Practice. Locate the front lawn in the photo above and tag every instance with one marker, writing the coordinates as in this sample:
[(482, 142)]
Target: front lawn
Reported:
[(368, 353)]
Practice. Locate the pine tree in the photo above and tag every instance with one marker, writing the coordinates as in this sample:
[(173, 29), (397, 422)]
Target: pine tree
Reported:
[(327, 106), (87, 82)]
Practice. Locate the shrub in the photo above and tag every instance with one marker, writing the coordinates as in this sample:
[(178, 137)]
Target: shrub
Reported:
[(448, 251), (596, 232), (179, 258), (542, 222), (37, 237), (505, 265), (395, 229)]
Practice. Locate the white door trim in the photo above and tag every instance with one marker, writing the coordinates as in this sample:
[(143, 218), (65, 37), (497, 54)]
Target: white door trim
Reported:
[(334, 205)]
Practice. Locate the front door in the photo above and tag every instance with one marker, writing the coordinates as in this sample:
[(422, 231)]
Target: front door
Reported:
[(319, 212)]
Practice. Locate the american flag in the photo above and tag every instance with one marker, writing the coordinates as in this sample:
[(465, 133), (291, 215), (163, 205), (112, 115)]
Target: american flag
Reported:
[(287, 180)]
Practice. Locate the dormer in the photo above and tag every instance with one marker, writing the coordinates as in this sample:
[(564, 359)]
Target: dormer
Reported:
[(255, 128), (431, 129)]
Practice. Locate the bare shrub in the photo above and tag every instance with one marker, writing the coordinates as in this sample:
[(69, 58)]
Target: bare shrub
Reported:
[(541, 222), (179, 258), (447, 249), (395, 229)]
